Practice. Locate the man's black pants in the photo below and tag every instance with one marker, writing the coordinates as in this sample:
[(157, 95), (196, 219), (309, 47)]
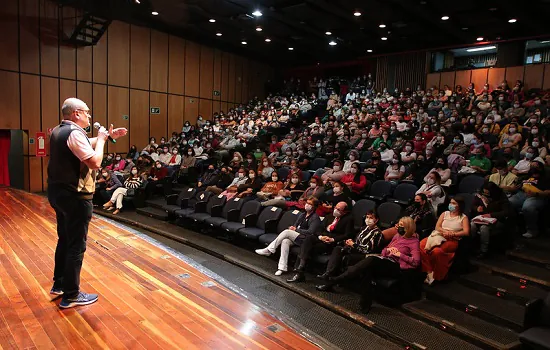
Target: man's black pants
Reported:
[(73, 217)]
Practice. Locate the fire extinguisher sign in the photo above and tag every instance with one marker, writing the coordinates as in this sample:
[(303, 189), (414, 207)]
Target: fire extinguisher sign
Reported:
[(40, 144)]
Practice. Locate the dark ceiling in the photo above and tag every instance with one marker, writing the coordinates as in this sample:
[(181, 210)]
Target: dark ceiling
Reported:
[(302, 24)]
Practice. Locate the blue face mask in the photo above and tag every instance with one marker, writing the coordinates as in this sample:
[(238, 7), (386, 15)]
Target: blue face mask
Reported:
[(457, 141), (452, 207)]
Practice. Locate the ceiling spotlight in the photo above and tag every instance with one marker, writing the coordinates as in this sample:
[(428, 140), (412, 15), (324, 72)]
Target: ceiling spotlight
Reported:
[(512, 20), (267, 40), (357, 13), (332, 43), (259, 29), (257, 13), (212, 20), (480, 38), (382, 25), (155, 13), (384, 38), (137, 2), (444, 18), (290, 48), (219, 34), (464, 28), (369, 50), (244, 42), (328, 33)]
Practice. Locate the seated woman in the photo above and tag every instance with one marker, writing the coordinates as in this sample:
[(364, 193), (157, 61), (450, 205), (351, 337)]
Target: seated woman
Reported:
[(108, 183), (118, 165), (265, 169), (433, 191), (292, 191), (315, 189), (402, 253), (421, 212), (306, 224), (338, 194), (452, 225), (443, 170), (231, 190), (187, 163), (369, 240), (375, 168), (250, 186), (355, 181), (133, 182), (395, 171), (175, 159), (271, 188), (408, 155)]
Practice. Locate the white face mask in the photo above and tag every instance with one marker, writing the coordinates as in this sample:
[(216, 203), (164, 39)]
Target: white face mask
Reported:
[(274, 178), (104, 174), (308, 207), (175, 151), (251, 176), (134, 172), (353, 170), (241, 175), (408, 148), (336, 168), (295, 180), (337, 190), (236, 159), (337, 213), (313, 185), (369, 222), (117, 158), (431, 181), (190, 153), (266, 163)]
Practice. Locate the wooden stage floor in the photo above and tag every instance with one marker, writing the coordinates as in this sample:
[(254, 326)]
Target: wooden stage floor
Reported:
[(148, 297)]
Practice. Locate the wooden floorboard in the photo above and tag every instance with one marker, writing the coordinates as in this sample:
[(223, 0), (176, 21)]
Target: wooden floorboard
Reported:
[(144, 303)]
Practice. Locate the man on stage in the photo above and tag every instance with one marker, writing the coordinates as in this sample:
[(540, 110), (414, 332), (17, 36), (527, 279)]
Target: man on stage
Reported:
[(74, 159)]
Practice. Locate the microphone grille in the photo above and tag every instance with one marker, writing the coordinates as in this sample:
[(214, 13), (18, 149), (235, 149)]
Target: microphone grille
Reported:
[(97, 125)]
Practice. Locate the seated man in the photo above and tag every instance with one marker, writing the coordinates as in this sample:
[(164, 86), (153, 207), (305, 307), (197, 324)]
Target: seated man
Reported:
[(339, 227), (307, 224), (479, 162)]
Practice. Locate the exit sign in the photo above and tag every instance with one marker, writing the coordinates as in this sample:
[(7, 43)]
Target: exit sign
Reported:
[(155, 110), (217, 93)]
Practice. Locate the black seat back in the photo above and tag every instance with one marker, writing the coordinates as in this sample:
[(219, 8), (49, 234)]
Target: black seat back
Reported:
[(389, 213), (318, 163), (232, 204), (471, 184), (214, 200), (468, 203), (288, 219), (200, 196), (185, 194), (404, 192), (250, 208), (380, 189), (268, 214), (359, 210)]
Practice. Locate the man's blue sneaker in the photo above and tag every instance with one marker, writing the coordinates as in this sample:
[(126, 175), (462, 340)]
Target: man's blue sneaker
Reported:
[(81, 299), (56, 291)]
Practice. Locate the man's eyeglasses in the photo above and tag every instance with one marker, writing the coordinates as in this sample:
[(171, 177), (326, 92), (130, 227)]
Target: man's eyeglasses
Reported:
[(87, 111)]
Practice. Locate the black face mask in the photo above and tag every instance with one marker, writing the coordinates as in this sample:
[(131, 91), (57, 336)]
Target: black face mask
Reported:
[(401, 230), (417, 204)]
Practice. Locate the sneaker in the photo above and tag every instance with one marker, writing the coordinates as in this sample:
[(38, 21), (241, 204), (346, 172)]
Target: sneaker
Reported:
[(56, 291), (81, 299), (264, 252), (279, 272), (529, 235)]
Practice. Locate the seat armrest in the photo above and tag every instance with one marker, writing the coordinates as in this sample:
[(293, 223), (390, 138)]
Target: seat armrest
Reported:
[(271, 226), (532, 313), (216, 210), (250, 220), (171, 199), (200, 207)]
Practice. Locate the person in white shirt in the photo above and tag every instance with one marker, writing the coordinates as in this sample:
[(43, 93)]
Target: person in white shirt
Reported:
[(386, 153)]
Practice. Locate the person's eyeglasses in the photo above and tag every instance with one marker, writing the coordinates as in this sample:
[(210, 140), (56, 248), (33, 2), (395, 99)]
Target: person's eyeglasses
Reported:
[(87, 111)]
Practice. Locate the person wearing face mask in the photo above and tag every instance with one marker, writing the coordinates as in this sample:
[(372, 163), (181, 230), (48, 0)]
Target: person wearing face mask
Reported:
[(132, 153), (386, 153), (251, 186), (292, 191), (236, 162), (334, 174), (118, 164), (479, 162), (441, 167), (355, 181), (239, 180), (375, 168), (433, 191), (187, 163), (108, 161), (408, 155), (175, 159), (338, 193), (156, 174), (457, 147), (271, 187), (402, 253), (535, 142), (132, 183), (451, 226), (385, 138), (369, 240), (149, 148), (165, 156), (421, 212), (353, 158), (105, 186), (516, 110), (395, 171), (215, 182), (154, 154), (307, 224), (265, 168), (338, 228), (284, 159), (524, 165)]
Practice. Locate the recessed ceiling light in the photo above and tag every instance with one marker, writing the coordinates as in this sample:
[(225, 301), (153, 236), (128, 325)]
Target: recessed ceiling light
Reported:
[(137, 2), (484, 48), (212, 20), (464, 28), (328, 33), (444, 18), (290, 48), (512, 20), (492, 9), (480, 38), (267, 40), (244, 42), (259, 29), (369, 50), (384, 38), (219, 34), (332, 43), (382, 25), (155, 13), (257, 13), (545, 42), (357, 13)]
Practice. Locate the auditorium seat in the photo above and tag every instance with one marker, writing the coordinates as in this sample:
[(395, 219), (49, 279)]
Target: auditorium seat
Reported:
[(200, 196), (358, 211), (318, 163), (380, 190), (403, 194), (471, 184), (388, 214), (229, 212), (247, 217), (287, 219), (178, 201), (266, 223), (537, 324), (204, 211)]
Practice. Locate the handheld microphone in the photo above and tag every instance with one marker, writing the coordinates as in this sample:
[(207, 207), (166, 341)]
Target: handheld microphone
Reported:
[(97, 126)]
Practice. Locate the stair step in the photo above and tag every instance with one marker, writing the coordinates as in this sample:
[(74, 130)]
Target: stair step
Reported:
[(502, 287), (157, 203), (539, 243), (466, 326), (158, 214), (504, 312), (535, 257), (527, 273)]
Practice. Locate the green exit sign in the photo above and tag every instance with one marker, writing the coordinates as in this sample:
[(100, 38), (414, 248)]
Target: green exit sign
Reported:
[(155, 110), (217, 93)]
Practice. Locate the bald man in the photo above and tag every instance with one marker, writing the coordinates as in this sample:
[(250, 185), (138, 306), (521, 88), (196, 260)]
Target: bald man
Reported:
[(74, 159)]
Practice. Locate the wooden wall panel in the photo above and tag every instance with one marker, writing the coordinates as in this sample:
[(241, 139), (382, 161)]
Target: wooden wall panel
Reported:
[(8, 42), (463, 78), (207, 72), (447, 78), (158, 122), (67, 52), (191, 109), (216, 106), (29, 32), (51, 109), (192, 66), (479, 77), (217, 75), (140, 46), (205, 108), (225, 77), (159, 61), (118, 104), (513, 74), (534, 75), (35, 174), (238, 79), (496, 76), (9, 101), (232, 78), (433, 80), (176, 65), (85, 93), (546, 83), (67, 88), (84, 63), (175, 113), (245, 81), (224, 107), (139, 118), (118, 54), (99, 106), (49, 39), (99, 54), (30, 110)]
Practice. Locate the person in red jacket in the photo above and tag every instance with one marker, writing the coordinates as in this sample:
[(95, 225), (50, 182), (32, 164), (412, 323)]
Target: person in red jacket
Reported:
[(355, 180), (420, 143), (156, 174)]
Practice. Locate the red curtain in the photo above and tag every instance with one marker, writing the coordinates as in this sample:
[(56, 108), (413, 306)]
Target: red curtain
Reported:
[(5, 140)]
